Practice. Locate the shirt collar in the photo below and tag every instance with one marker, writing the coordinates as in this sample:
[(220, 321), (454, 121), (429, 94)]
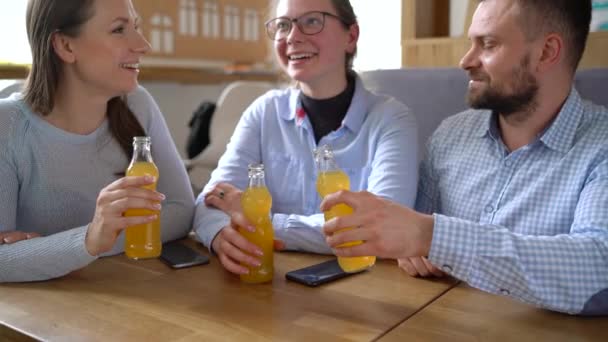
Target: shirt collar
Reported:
[(353, 120), (487, 125), (561, 133), (558, 136)]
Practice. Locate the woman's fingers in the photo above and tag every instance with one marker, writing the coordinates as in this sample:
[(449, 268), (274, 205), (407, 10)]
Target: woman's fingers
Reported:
[(131, 181), (240, 242), (14, 236), (121, 205), (114, 195), (232, 266), (236, 254)]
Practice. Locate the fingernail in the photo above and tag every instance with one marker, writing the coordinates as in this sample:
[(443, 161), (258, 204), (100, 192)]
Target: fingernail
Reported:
[(257, 263), (251, 229), (8, 240), (259, 252), (157, 206), (152, 217), (245, 272)]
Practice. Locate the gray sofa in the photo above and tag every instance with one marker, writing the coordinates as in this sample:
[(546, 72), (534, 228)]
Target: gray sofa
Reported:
[(434, 94)]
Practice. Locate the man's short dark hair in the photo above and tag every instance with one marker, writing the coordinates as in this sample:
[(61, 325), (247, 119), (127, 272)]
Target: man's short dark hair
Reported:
[(569, 18)]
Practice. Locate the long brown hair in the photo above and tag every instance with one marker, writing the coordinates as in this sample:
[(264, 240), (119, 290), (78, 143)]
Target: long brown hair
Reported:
[(43, 19)]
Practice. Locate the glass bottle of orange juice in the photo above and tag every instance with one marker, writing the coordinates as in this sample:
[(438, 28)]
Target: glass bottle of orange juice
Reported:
[(332, 179), (256, 202), (143, 241)]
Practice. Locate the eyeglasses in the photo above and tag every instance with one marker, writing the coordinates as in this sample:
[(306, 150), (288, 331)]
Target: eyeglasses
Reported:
[(309, 23)]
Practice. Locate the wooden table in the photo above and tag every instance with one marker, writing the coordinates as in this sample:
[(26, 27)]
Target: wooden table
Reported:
[(467, 314), (115, 299)]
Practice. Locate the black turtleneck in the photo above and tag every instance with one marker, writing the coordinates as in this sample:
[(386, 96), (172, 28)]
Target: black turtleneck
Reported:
[(326, 115)]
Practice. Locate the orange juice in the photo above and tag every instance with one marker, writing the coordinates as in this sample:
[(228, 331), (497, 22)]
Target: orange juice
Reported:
[(329, 182), (143, 241), (256, 202)]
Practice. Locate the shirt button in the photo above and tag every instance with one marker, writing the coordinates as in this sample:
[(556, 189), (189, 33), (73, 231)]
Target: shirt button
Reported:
[(489, 208), (446, 268), (508, 163), (504, 292)]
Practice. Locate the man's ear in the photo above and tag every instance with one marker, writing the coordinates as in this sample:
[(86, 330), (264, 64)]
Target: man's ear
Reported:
[(62, 45), (353, 37), (552, 52)]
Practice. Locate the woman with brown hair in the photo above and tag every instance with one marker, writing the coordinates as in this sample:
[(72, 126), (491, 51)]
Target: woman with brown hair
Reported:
[(66, 139)]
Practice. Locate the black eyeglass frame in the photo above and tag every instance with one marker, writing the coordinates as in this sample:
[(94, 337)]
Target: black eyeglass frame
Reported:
[(295, 20)]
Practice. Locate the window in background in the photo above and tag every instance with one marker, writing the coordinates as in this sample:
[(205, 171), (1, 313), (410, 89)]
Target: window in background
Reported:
[(13, 35), (380, 39), (188, 24), (211, 26), (252, 23), (231, 22), (161, 34), (379, 43)]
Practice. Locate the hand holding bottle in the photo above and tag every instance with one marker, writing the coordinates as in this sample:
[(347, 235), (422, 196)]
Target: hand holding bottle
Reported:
[(388, 229), (233, 250), (330, 180), (230, 246), (112, 202)]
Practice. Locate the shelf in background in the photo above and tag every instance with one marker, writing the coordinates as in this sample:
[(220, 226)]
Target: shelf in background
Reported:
[(169, 74), (447, 52)]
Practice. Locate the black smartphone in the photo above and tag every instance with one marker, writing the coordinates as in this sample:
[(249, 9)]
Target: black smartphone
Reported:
[(178, 255), (318, 274)]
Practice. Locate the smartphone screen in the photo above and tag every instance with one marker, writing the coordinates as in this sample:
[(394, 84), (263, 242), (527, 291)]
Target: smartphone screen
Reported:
[(178, 255), (318, 274)]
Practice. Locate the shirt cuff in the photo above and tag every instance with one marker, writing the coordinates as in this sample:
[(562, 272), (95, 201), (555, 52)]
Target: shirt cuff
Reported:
[(79, 236), (206, 232), (453, 245)]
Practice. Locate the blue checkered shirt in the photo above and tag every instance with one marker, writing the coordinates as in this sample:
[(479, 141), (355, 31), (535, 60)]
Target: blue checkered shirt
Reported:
[(531, 224)]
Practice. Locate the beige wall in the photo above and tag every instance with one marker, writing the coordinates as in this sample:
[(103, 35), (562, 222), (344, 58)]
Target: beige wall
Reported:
[(178, 101)]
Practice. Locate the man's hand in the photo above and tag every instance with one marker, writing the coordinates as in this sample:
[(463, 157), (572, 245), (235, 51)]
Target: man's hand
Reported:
[(387, 229), (419, 267)]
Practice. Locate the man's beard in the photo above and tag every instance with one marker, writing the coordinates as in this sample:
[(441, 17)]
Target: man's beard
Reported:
[(495, 98)]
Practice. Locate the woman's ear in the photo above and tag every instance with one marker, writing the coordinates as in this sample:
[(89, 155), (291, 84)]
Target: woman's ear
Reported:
[(353, 37), (62, 45)]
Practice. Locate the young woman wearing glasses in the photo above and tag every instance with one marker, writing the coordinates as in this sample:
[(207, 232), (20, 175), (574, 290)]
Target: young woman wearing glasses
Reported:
[(373, 137)]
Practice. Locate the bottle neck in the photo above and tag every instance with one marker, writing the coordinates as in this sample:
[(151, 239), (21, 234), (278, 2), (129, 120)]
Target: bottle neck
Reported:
[(327, 165), (257, 180), (324, 159), (141, 153)]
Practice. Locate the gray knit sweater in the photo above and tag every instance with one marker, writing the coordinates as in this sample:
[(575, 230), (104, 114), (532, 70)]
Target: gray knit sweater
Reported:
[(50, 180)]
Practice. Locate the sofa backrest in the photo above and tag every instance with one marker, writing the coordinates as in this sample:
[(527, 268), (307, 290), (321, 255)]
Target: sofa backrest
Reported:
[(434, 94), (431, 94)]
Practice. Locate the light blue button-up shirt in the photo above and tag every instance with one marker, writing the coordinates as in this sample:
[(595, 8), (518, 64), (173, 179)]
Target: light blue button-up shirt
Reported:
[(531, 224), (376, 146)]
